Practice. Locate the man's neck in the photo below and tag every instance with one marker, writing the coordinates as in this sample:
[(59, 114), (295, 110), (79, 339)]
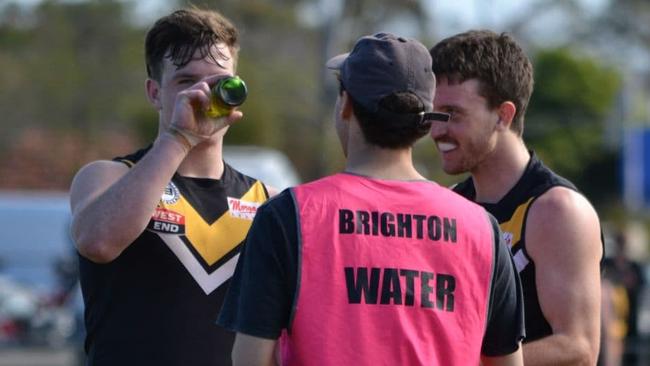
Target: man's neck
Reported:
[(499, 173), (375, 162), (203, 161)]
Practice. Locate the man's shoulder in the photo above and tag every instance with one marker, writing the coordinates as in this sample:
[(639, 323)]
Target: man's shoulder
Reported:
[(558, 212), (100, 169), (561, 198), (563, 202), (280, 204)]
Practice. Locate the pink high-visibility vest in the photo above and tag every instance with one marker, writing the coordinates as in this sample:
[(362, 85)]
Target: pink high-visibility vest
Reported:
[(390, 273)]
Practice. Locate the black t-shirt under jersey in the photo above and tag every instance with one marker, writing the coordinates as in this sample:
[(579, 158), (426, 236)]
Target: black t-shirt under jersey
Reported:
[(260, 300)]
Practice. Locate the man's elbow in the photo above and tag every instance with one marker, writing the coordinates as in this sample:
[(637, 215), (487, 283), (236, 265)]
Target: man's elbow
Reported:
[(95, 249), (98, 246), (586, 352), (587, 359)]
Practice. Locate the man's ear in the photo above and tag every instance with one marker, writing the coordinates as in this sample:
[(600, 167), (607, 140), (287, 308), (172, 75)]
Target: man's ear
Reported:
[(506, 114), (152, 87), (346, 106)]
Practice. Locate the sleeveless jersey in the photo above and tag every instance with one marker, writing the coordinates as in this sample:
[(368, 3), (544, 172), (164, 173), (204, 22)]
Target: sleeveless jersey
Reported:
[(390, 273), (156, 304), (511, 212)]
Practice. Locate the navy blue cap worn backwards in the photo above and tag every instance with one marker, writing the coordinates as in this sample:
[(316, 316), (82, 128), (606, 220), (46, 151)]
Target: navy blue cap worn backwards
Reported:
[(383, 64)]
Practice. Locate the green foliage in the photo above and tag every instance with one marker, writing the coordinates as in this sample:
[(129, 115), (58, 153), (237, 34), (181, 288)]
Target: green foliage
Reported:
[(78, 66), (567, 114), (279, 74), (73, 66), (562, 76)]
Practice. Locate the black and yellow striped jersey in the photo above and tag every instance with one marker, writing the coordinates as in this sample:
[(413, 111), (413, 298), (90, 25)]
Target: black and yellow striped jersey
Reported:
[(511, 212), (158, 301)]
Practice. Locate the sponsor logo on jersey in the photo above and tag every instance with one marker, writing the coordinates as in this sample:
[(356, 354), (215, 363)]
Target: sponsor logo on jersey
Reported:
[(242, 209), (167, 221), (507, 238), (171, 194)]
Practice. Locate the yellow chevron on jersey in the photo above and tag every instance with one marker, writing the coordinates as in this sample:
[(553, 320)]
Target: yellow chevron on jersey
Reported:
[(212, 241), (202, 221), (512, 228)]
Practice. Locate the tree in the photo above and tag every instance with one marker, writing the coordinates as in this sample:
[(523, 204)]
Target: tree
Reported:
[(565, 122), (72, 73)]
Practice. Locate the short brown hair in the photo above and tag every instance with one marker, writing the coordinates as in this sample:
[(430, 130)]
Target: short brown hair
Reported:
[(496, 60), (180, 34), (398, 129)]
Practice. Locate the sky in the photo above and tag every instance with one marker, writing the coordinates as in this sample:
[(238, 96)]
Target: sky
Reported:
[(479, 12)]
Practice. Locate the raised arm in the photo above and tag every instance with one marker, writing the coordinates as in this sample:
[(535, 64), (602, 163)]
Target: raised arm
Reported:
[(563, 239), (112, 204)]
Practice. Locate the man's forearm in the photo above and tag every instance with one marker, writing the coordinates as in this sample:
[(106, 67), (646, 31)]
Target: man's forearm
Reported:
[(107, 224), (253, 351), (559, 350)]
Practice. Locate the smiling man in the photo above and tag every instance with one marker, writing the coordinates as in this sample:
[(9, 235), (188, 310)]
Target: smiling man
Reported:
[(159, 231), (485, 81)]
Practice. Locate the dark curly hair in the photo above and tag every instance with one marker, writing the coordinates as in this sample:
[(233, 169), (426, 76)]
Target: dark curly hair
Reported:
[(496, 60)]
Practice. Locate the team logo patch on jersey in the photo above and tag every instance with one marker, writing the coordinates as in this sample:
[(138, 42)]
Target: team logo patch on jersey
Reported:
[(242, 209), (167, 221), (507, 238), (171, 194)]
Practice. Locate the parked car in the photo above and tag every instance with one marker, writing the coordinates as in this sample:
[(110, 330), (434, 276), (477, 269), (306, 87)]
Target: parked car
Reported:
[(38, 276)]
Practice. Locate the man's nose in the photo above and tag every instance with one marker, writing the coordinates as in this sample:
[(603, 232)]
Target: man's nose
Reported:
[(438, 129)]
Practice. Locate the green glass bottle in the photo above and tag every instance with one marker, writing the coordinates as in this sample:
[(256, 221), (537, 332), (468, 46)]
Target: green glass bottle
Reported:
[(227, 94)]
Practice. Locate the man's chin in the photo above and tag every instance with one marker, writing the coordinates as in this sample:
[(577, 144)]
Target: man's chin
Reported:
[(454, 170)]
